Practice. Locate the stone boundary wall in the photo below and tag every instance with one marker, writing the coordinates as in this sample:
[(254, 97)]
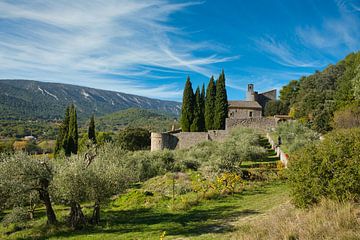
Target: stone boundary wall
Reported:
[(284, 158), (258, 123), (188, 139), (183, 140)]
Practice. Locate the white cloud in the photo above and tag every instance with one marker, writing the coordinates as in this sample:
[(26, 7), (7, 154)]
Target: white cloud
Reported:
[(84, 40), (335, 34), (284, 55)]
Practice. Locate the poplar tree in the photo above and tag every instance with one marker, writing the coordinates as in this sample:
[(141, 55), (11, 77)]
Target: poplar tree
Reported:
[(210, 104), (91, 130), (187, 110), (195, 125), (221, 103)]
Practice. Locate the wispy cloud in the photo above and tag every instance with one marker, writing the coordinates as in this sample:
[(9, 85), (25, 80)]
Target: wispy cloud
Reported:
[(75, 41), (337, 33), (284, 55), (263, 78)]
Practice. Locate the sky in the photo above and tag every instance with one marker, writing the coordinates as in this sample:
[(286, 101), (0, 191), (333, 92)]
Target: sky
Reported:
[(149, 47)]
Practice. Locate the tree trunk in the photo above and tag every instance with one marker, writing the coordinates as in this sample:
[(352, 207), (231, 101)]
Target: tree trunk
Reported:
[(96, 214), (77, 219), (45, 198)]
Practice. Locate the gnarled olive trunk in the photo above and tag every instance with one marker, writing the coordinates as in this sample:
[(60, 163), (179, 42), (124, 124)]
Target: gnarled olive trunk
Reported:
[(77, 219), (45, 198), (95, 219)]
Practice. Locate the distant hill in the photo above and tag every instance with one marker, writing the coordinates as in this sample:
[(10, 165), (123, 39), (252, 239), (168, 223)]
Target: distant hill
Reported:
[(134, 117), (27, 99)]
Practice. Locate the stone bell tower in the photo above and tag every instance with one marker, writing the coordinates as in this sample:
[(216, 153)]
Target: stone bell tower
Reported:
[(250, 94)]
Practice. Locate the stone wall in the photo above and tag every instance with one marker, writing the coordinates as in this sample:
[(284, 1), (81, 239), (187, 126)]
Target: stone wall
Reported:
[(188, 139), (184, 140), (244, 113), (258, 123)]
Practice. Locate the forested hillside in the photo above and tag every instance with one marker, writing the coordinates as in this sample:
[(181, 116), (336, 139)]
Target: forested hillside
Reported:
[(135, 117), (327, 99), (25, 99)]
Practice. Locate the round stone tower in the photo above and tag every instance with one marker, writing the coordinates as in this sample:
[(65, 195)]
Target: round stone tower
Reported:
[(157, 141)]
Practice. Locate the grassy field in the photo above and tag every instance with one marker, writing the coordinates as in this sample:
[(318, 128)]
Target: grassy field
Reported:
[(207, 220)]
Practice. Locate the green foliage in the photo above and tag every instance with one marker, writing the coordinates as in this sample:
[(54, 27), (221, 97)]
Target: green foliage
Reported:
[(73, 134), (91, 130), (348, 116), (187, 111), (202, 109), (133, 139), (221, 103), (315, 98), (210, 104), (275, 108), (288, 94), (295, 135), (21, 128), (6, 146), (17, 215), (197, 122), (61, 141), (328, 169), (67, 140), (22, 176), (136, 118)]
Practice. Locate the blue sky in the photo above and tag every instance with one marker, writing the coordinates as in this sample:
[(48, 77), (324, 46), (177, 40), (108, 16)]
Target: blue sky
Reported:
[(149, 47)]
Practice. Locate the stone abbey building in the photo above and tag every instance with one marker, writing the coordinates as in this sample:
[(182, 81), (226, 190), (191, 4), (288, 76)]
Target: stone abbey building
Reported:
[(246, 113), (253, 106)]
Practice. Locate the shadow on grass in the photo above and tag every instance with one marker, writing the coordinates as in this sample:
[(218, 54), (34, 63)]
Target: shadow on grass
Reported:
[(189, 223)]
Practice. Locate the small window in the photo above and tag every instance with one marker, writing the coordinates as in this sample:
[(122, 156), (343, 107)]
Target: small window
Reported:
[(250, 114)]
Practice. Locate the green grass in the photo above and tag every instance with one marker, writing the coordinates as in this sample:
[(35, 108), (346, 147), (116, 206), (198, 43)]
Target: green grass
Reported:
[(210, 217)]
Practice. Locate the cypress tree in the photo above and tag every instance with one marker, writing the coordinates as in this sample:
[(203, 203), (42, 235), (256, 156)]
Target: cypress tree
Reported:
[(210, 104), (91, 130), (221, 103), (187, 110), (202, 109), (73, 134), (61, 141), (195, 126)]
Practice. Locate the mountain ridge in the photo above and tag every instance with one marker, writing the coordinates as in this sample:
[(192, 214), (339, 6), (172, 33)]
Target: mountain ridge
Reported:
[(30, 99)]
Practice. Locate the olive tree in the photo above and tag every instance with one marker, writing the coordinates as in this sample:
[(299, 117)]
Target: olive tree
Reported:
[(79, 179), (23, 176), (107, 175), (70, 187)]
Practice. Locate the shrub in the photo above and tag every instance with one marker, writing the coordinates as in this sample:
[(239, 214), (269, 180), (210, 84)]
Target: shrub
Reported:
[(347, 117), (330, 168), (295, 135), (133, 139), (17, 215)]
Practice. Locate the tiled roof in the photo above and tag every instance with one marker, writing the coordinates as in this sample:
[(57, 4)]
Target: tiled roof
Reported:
[(244, 104)]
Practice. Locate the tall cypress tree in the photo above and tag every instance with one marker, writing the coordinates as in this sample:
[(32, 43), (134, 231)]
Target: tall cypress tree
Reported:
[(61, 141), (187, 110), (195, 126), (221, 103), (91, 130), (210, 104), (73, 135), (202, 109)]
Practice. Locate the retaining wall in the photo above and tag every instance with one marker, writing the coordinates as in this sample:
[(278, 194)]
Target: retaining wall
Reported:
[(259, 123)]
